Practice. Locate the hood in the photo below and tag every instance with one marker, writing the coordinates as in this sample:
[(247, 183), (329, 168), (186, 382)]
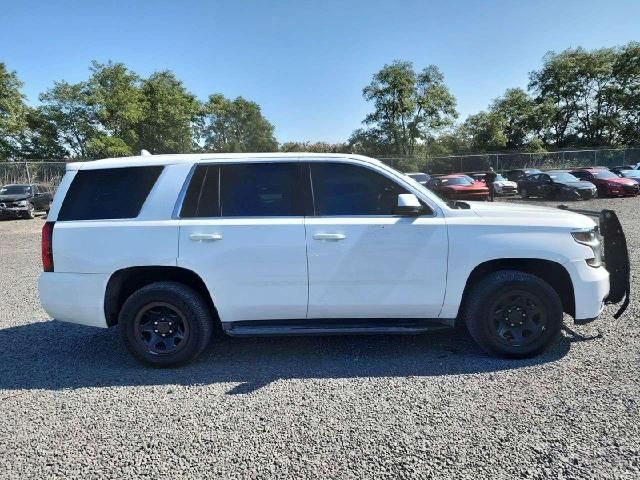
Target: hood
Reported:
[(473, 186), (521, 214), (16, 197), (621, 181), (505, 183), (581, 184)]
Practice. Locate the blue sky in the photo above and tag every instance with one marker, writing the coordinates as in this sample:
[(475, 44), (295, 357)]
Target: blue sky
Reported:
[(306, 62)]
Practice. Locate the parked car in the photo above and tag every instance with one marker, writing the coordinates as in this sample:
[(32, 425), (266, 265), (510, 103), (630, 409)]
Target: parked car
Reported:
[(458, 187), (421, 178), (607, 182), (173, 248), (517, 174), (502, 187), (626, 173), (556, 184), (23, 200)]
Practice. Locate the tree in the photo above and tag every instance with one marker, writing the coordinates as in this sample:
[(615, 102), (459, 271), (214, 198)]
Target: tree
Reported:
[(409, 107), (68, 108), (626, 70), (13, 113), (315, 147), (40, 138), (484, 131), (168, 116), (235, 126), (117, 98)]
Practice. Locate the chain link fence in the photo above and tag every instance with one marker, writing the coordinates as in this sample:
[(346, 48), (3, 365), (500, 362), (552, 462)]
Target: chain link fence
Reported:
[(51, 172), (568, 159)]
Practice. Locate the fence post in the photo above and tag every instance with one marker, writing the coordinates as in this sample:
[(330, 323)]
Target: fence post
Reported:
[(595, 158), (26, 167)]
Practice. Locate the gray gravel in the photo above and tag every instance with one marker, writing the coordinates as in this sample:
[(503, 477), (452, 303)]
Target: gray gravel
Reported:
[(75, 405)]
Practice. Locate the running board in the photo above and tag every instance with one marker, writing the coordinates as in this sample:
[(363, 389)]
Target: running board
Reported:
[(265, 328)]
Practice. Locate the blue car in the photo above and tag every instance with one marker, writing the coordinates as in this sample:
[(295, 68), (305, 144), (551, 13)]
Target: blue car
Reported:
[(624, 173)]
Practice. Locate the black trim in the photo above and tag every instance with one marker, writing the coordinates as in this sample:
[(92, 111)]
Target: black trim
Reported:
[(331, 326)]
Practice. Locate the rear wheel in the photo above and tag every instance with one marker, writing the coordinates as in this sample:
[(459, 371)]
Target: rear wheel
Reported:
[(165, 324), (513, 314)]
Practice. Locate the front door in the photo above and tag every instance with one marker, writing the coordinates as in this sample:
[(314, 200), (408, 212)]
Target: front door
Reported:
[(242, 230), (364, 261)]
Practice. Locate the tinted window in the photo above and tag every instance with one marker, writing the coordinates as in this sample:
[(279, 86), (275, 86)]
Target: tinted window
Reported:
[(202, 198), (108, 194), (343, 189), (261, 190)]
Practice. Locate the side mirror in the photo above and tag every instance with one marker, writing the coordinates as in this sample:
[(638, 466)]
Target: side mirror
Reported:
[(408, 204)]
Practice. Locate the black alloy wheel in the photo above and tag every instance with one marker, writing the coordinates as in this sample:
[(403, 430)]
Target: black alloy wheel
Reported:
[(518, 320), (511, 313), (161, 328)]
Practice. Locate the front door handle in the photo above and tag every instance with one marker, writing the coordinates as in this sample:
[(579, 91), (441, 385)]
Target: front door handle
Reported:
[(329, 236), (205, 237)]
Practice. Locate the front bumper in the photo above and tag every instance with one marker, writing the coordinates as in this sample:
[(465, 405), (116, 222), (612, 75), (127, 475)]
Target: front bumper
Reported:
[(14, 212), (592, 292)]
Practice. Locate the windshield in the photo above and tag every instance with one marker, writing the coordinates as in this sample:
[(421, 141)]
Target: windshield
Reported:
[(563, 177), (500, 178), (456, 181), (630, 173), (15, 190), (604, 174), (419, 177)]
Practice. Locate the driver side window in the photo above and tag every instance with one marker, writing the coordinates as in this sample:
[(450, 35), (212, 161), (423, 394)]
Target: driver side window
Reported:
[(346, 189)]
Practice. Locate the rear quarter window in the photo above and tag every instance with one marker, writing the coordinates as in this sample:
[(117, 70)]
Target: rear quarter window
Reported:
[(111, 193)]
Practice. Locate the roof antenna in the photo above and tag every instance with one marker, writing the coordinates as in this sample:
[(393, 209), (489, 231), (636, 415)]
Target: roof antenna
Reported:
[(145, 153)]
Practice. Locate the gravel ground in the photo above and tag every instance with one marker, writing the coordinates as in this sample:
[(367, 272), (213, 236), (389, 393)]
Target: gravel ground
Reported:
[(75, 405)]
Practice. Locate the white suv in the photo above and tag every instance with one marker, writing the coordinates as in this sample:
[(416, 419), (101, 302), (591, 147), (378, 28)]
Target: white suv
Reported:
[(173, 248)]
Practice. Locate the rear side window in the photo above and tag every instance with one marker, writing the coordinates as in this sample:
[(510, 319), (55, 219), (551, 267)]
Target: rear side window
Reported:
[(344, 189), (244, 190), (111, 193)]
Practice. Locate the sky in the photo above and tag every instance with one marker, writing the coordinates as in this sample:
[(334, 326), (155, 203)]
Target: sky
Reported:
[(306, 62)]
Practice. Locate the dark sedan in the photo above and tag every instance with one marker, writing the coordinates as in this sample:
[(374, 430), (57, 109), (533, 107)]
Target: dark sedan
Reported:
[(23, 200), (556, 184), (627, 173), (518, 174)]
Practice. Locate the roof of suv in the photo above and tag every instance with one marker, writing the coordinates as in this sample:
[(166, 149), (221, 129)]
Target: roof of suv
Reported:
[(146, 160)]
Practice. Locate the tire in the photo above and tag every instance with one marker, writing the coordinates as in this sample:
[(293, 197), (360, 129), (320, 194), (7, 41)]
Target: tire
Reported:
[(31, 212), (513, 293), (524, 193), (184, 318)]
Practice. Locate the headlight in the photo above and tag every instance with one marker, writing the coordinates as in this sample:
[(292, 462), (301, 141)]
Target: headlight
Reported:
[(23, 203), (590, 238)]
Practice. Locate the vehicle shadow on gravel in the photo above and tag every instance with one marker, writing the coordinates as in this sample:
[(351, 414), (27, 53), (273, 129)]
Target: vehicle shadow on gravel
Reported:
[(54, 355)]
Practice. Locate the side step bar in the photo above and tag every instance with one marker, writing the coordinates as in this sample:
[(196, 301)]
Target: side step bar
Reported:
[(359, 326)]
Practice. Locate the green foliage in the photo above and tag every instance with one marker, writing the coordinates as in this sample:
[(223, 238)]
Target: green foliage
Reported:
[(68, 108), (169, 115), (13, 112), (409, 108), (315, 147), (235, 126)]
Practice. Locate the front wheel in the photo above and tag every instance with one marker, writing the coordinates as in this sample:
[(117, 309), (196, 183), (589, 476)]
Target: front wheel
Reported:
[(524, 193), (31, 212), (513, 314), (165, 324)]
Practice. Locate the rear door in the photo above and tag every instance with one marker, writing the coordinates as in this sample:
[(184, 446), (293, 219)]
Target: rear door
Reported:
[(364, 261), (242, 230)]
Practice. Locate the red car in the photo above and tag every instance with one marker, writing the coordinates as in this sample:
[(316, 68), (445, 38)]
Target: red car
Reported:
[(458, 187), (607, 182)]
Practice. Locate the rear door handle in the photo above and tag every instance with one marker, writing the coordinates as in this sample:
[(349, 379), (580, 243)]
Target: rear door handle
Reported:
[(205, 237), (329, 236)]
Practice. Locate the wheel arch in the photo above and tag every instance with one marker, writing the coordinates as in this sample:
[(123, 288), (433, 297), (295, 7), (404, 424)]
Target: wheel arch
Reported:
[(551, 272), (126, 281)]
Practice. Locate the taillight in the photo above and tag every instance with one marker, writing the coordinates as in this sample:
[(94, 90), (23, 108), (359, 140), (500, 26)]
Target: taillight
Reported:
[(47, 246)]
